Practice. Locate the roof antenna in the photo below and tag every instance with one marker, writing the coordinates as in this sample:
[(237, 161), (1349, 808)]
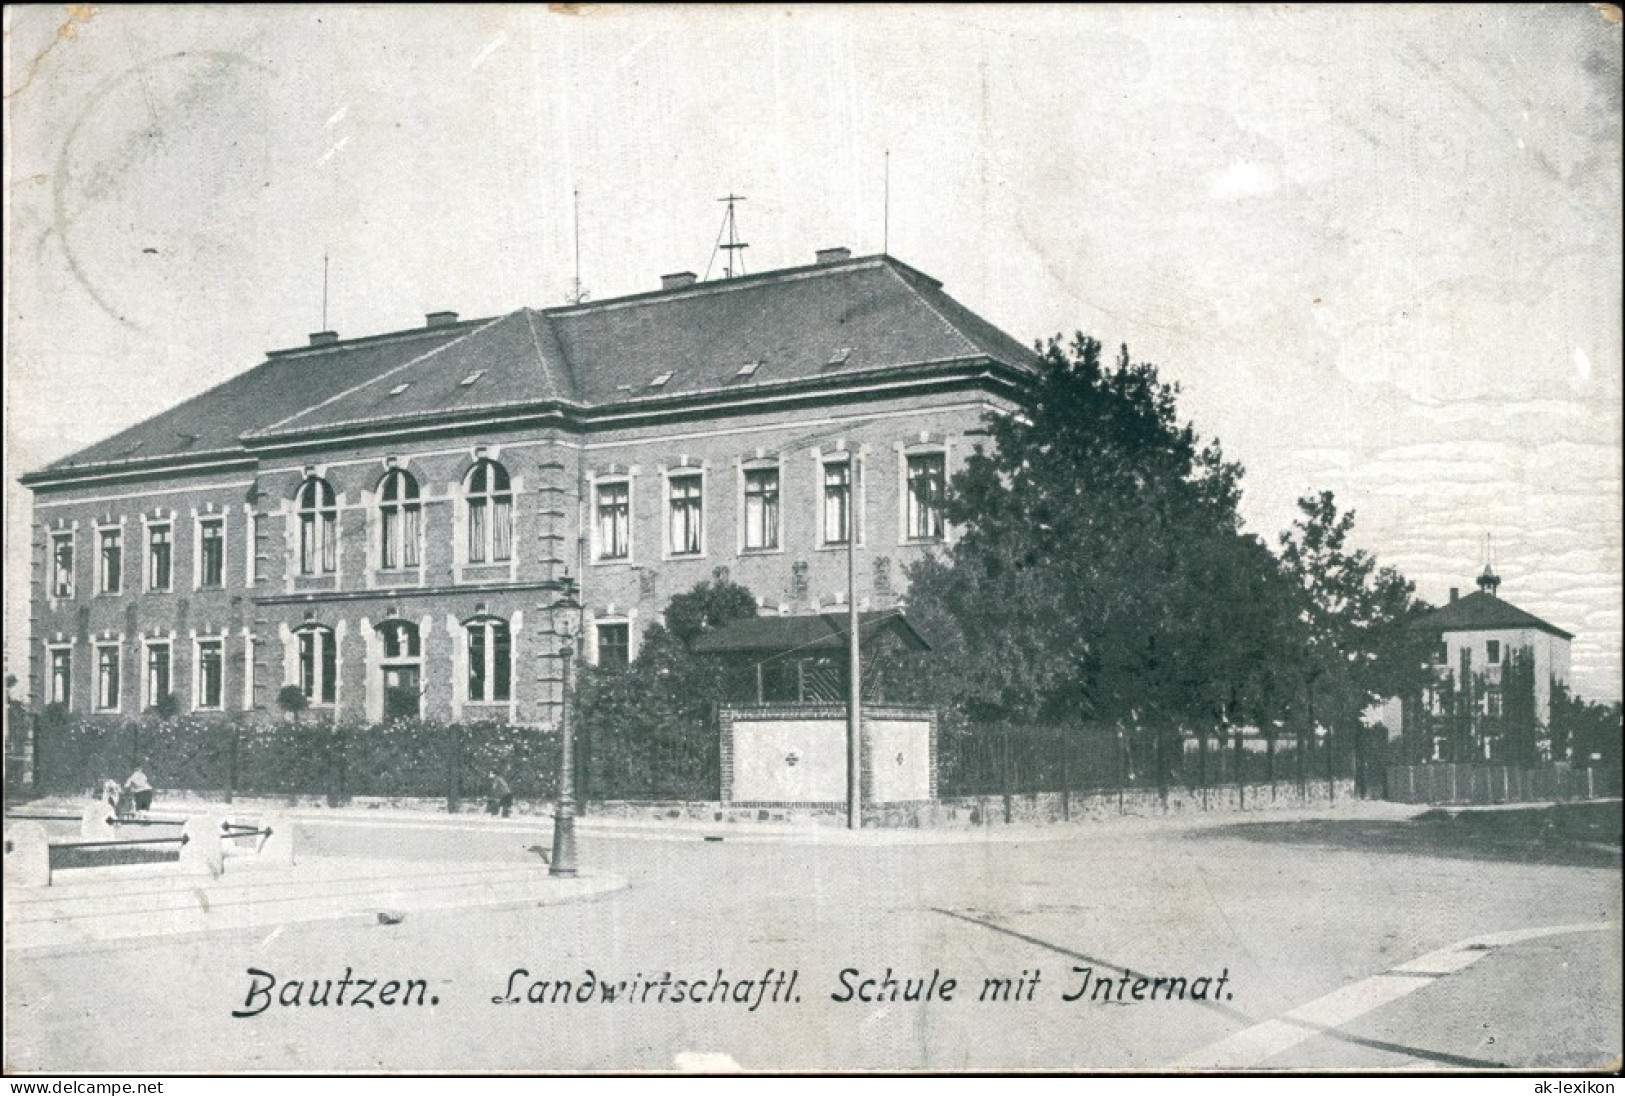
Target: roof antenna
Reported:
[(577, 294), (324, 291), (885, 213), (1489, 581), (734, 265)]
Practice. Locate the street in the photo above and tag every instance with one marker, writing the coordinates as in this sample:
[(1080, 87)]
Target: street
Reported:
[(1287, 918)]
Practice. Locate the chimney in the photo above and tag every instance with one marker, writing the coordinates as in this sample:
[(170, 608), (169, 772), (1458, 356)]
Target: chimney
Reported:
[(678, 281), (1455, 592), (834, 255), (323, 338), (440, 319)]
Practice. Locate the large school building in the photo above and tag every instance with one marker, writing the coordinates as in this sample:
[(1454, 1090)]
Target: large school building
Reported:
[(385, 522)]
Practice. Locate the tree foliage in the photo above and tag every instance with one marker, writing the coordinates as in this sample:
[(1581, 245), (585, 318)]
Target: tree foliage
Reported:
[(651, 724), (1101, 573), (1357, 620)]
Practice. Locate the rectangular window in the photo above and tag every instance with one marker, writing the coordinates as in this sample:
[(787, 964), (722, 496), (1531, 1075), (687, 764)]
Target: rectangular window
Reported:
[(837, 501), (614, 521), (1492, 652), (926, 481), (762, 508), (60, 689), (112, 558), (212, 553), (490, 661), (614, 646), (687, 517), (158, 557), (62, 565), (318, 666), (157, 673), (107, 679), (210, 675)]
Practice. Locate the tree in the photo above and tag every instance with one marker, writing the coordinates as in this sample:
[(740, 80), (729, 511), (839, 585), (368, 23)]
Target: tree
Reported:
[(1361, 642), (708, 605), (292, 700), (653, 722), (1100, 571)]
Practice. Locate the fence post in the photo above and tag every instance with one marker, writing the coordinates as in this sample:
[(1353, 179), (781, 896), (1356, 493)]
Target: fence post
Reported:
[(231, 767), (1004, 771), (1241, 773), (1303, 776), (1269, 761), (1066, 782), (1162, 768), (1201, 764), (1331, 778)]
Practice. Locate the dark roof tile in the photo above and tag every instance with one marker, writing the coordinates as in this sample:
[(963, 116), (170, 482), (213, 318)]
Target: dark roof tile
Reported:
[(1484, 612)]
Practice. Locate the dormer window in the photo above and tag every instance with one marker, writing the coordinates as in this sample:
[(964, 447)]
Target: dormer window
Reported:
[(660, 379)]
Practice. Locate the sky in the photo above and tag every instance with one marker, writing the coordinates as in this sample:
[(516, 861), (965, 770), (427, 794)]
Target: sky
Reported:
[(1379, 248)]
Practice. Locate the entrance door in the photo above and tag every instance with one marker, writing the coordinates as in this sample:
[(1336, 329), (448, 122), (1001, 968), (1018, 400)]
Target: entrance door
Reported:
[(400, 692)]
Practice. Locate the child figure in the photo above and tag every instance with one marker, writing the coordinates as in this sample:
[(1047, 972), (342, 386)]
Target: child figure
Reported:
[(115, 799), (140, 790)]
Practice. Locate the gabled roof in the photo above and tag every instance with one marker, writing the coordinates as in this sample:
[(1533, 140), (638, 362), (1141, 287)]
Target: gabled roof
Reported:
[(1482, 612), (810, 633), (807, 327)]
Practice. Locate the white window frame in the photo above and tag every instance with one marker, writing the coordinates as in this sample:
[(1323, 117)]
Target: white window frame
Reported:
[(102, 532), (487, 500), (906, 495), (405, 514), (840, 458), (318, 675), (52, 650), (203, 522), (97, 695), (167, 525), (488, 625), (598, 486), (198, 644), (324, 530), (149, 697), (746, 470), (598, 626), (250, 651), (57, 537), (670, 477)]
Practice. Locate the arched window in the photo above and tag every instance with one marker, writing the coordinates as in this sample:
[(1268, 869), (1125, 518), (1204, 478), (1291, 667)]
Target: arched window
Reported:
[(402, 669), (399, 520), (490, 513), (490, 660), (318, 528), (318, 664)]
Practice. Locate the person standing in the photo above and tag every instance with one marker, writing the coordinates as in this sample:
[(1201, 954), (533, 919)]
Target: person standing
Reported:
[(501, 797)]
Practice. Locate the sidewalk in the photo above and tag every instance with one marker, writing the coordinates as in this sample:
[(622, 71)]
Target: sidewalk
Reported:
[(809, 833), (89, 906)]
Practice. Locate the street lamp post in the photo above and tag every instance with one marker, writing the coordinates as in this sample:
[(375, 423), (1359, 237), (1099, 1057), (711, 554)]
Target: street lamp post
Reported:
[(563, 861)]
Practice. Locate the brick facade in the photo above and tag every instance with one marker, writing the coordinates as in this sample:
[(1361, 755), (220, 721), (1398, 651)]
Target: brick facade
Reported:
[(258, 588)]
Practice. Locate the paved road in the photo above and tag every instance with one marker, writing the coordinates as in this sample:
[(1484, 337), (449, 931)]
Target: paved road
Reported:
[(1289, 926)]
